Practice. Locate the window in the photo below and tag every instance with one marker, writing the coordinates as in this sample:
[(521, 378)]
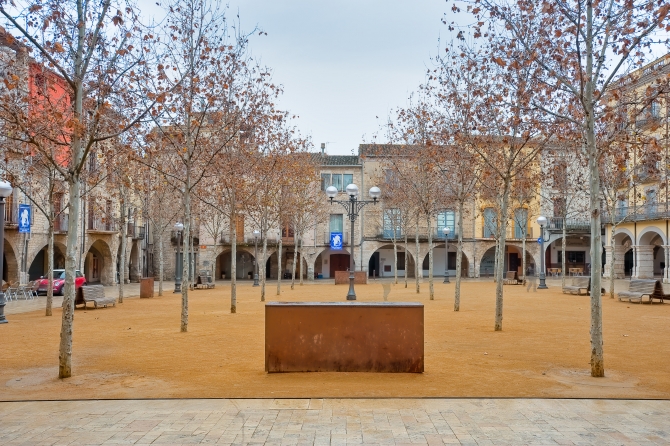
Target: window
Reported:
[(621, 208), (559, 207), (655, 110), (337, 181), (391, 219), (325, 181), (340, 181), (651, 201), (446, 219), (520, 223), (336, 223), (572, 256), (490, 223)]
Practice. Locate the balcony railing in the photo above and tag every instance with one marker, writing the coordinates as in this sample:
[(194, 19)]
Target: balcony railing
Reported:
[(11, 214), (437, 235), (100, 224), (555, 224), (61, 223), (135, 232), (512, 233), (654, 211)]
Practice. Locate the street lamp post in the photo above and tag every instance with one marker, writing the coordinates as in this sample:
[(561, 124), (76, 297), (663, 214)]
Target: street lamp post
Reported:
[(542, 221), (179, 267), (353, 206), (257, 234), (446, 230), (5, 191)]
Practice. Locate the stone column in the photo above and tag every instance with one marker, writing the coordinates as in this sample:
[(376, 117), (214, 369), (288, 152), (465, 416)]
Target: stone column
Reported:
[(644, 266), (618, 252), (666, 270)]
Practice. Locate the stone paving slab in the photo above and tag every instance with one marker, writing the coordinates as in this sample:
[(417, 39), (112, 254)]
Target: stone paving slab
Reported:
[(336, 422)]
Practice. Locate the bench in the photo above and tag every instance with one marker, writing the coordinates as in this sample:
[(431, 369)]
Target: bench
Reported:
[(95, 294), (204, 280), (641, 287), (578, 284), (511, 278)]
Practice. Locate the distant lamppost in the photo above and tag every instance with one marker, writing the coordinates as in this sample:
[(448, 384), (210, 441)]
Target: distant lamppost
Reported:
[(179, 267), (5, 191), (353, 206), (257, 234), (542, 221), (446, 230)]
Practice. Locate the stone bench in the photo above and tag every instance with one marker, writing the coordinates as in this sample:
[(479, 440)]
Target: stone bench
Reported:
[(344, 337)]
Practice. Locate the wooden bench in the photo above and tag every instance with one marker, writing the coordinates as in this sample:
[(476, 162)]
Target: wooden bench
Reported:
[(639, 288), (511, 278), (204, 281), (95, 294), (578, 284)]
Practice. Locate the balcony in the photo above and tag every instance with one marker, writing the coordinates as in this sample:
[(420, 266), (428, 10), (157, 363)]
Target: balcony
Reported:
[(11, 215), (653, 211), (511, 234), (136, 232), (61, 223), (555, 224), (100, 224)]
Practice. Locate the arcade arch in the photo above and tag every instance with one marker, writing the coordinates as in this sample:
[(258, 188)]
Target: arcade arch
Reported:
[(381, 264), (98, 264), (39, 267), (439, 260), (513, 260)]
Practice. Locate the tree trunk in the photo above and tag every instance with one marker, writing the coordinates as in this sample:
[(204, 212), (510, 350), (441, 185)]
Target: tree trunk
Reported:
[(459, 254), (597, 354), (406, 260), (500, 256), (279, 268), (563, 259), (302, 259), (124, 238), (431, 286), (186, 264), (65, 347), (612, 259), (233, 262), (263, 263), (50, 255), (416, 263), (161, 264), (295, 259)]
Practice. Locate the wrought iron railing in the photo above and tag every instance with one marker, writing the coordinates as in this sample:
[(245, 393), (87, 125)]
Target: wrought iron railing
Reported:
[(571, 224)]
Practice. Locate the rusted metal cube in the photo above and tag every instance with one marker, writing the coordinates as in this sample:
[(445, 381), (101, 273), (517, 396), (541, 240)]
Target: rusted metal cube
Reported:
[(344, 337)]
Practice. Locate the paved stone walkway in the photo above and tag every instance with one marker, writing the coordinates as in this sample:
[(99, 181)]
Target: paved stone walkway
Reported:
[(335, 421)]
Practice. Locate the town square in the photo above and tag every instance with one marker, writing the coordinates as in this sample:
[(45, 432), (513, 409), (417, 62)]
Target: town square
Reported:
[(357, 223)]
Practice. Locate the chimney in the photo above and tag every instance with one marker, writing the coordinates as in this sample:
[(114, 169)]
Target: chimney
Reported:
[(323, 148)]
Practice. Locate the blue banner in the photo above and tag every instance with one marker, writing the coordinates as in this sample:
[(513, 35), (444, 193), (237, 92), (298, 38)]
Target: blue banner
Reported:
[(336, 240), (24, 217)]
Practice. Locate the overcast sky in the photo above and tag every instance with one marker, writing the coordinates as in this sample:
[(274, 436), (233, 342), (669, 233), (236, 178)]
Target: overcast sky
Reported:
[(343, 63)]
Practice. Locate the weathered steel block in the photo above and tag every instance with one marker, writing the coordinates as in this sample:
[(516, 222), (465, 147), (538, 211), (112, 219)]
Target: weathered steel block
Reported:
[(344, 337), (342, 277)]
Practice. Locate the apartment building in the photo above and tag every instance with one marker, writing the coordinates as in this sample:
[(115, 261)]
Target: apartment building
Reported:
[(639, 226)]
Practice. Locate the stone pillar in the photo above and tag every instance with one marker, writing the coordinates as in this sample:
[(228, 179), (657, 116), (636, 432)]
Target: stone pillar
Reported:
[(619, 254), (666, 270), (644, 265)]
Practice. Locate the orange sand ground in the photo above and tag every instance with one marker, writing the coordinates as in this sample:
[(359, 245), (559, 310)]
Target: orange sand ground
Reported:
[(135, 350)]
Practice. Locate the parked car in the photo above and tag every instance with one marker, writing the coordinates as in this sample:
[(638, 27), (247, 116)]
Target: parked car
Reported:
[(59, 282)]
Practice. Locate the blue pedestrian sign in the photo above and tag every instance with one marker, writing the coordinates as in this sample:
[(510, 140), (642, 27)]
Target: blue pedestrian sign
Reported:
[(24, 218), (336, 240), (540, 240)]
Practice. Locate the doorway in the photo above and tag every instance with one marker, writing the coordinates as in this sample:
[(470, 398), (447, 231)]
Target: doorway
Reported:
[(338, 262)]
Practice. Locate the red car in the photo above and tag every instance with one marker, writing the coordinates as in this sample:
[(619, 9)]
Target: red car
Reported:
[(59, 282)]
